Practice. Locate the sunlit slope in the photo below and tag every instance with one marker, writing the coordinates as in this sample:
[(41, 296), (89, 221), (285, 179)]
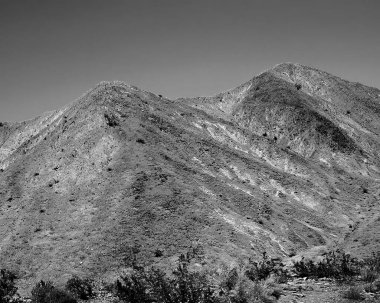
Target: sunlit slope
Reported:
[(282, 163)]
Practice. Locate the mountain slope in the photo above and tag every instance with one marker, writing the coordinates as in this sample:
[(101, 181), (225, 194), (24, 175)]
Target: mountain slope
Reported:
[(284, 163)]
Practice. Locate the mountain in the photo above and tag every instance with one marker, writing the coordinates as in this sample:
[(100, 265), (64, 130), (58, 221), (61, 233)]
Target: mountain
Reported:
[(287, 163)]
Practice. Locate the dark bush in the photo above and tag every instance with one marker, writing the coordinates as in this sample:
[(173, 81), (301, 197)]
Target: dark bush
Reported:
[(158, 253), (80, 288), (298, 86), (133, 288), (231, 280), (369, 275), (263, 269), (373, 262), (7, 286), (111, 120), (191, 287), (338, 265), (353, 293), (45, 292), (153, 285)]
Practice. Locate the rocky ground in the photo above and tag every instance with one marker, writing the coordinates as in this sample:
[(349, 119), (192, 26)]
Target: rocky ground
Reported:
[(322, 290), (298, 290)]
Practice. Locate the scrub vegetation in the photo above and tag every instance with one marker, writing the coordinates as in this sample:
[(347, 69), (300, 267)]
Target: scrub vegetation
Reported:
[(251, 281)]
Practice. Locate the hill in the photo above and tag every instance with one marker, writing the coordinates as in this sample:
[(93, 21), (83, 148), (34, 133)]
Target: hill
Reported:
[(287, 163)]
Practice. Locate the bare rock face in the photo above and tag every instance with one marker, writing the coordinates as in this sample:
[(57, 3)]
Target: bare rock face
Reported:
[(285, 163)]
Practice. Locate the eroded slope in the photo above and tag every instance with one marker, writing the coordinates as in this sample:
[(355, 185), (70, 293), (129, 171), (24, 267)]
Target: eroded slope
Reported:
[(263, 167)]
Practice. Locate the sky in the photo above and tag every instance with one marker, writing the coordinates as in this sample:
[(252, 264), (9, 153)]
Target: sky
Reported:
[(53, 51)]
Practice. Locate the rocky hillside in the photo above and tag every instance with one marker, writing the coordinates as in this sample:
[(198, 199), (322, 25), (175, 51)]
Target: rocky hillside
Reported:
[(287, 163)]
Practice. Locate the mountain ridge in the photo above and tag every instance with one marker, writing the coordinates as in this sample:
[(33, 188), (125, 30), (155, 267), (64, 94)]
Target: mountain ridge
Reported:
[(274, 165)]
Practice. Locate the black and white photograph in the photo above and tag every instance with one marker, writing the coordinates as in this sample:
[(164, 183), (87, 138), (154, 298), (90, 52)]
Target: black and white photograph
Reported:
[(177, 151)]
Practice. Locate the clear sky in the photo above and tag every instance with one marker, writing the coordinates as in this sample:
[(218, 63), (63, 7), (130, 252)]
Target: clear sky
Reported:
[(52, 51)]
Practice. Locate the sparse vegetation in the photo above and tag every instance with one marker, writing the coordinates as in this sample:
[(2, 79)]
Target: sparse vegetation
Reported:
[(353, 293), (263, 269), (248, 291), (46, 292), (153, 285), (186, 286), (252, 281), (158, 253), (7, 286), (111, 120), (373, 262), (369, 275), (80, 288), (336, 265)]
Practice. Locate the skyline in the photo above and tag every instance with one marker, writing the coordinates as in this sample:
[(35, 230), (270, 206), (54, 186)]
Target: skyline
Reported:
[(54, 51)]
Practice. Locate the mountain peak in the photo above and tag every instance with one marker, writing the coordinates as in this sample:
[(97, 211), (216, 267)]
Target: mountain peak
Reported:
[(286, 65)]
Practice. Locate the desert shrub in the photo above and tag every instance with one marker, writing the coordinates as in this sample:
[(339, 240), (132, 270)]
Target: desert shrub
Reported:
[(298, 86), (260, 270), (248, 291), (304, 268), (231, 279), (7, 286), (373, 262), (158, 253), (353, 293), (111, 120), (237, 287), (372, 287), (243, 292), (80, 288), (133, 288), (338, 265), (45, 292), (190, 286), (369, 275), (263, 269), (182, 285), (154, 285)]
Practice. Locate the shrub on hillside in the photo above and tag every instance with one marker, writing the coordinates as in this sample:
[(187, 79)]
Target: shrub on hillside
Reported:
[(80, 288), (338, 265), (267, 266), (133, 288), (45, 292), (7, 286), (153, 285), (373, 262), (353, 293), (248, 291), (238, 285), (369, 275)]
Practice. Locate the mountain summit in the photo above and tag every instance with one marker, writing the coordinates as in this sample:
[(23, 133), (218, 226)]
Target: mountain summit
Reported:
[(286, 163)]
